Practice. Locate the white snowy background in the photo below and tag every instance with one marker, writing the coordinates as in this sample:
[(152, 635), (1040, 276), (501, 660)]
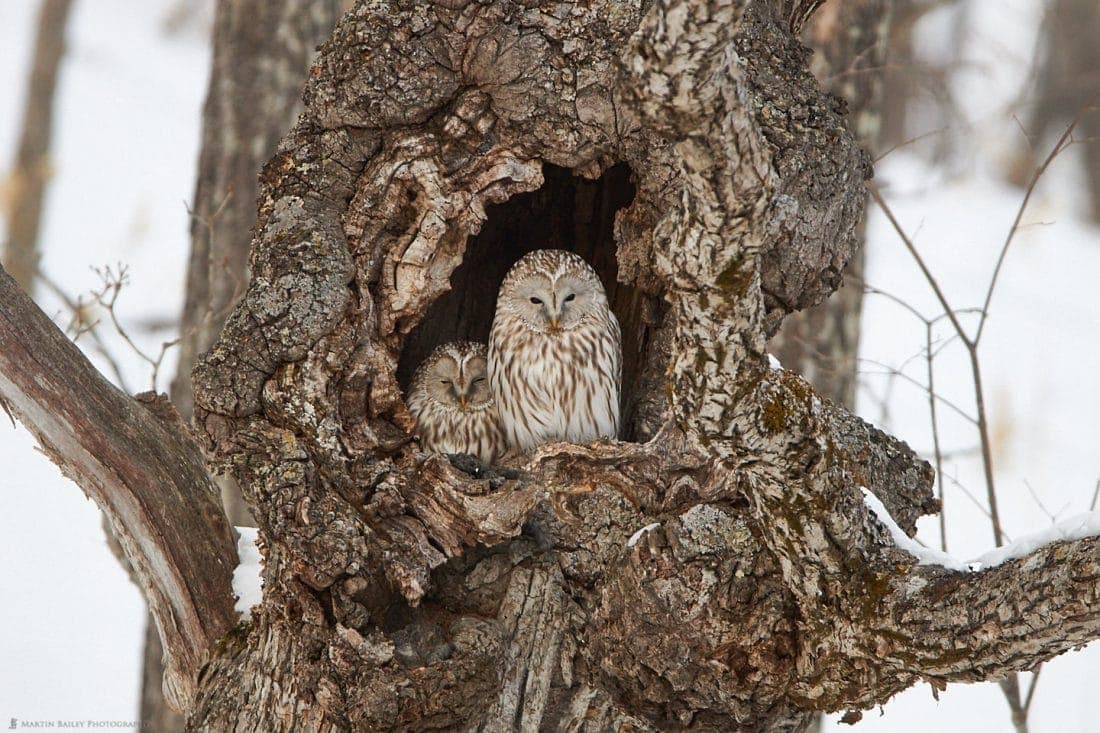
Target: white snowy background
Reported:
[(125, 145)]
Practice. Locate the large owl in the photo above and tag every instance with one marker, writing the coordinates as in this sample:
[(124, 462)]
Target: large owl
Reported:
[(452, 403), (555, 353)]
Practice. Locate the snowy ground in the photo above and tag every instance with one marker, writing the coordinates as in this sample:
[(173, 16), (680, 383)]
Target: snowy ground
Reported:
[(126, 142)]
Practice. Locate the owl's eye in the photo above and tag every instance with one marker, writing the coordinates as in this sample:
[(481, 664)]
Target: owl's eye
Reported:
[(536, 301), (570, 298), (479, 379), (445, 381)]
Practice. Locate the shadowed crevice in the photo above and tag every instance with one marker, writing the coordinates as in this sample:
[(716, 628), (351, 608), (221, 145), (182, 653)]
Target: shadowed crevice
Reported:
[(566, 212)]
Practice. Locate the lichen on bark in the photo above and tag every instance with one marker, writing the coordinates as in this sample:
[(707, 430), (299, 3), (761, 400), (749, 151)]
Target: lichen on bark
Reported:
[(408, 592)]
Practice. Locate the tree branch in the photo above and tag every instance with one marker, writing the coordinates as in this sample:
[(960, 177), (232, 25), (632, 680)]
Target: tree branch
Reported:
[(874, 621), (958, 627), (137, 461)]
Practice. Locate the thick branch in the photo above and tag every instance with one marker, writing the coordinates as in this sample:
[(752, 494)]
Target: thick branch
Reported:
[(929, 623), (873, 621), (982, 626), (136, 460)]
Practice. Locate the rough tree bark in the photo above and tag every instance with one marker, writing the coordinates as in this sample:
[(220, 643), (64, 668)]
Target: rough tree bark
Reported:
[(406, 591), (27, 182), (822, 343), (262, 53)]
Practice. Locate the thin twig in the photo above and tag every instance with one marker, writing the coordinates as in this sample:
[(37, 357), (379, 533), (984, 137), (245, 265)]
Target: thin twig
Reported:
[(79, 326), (928, 276), (1031, 688), (1059, 146), (1038, 501), (949, 455), (973, 499), (1010, 686), (930, 357), (107, 297), (910, 141), (986, 443), (891, 371), (975, 365)]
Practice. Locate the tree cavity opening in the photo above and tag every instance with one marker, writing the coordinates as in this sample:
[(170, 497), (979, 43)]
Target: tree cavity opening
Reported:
[(567, 212)]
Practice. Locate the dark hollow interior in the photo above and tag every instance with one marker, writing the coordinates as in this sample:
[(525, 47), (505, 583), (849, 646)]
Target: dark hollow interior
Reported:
[(567, 212)]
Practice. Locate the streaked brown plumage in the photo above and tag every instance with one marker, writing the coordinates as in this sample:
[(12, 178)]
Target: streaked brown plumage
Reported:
[(453, 405), (555, 353)]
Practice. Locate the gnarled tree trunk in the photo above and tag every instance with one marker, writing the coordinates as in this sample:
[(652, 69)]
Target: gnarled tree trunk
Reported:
[(439, 144), (262, 53), (717, 569)]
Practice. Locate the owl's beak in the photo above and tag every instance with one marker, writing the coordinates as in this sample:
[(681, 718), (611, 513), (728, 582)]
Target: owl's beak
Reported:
[(553, 323), (462, 401)]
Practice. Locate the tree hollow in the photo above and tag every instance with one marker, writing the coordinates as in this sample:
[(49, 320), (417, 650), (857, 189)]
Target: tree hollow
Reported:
[(567, 212)]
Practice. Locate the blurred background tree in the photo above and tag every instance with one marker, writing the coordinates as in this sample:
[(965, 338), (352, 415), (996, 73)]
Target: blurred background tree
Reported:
[(1066, 82), (25, 187)]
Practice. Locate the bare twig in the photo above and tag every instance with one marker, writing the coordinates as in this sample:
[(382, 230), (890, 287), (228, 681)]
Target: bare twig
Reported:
[(957, 453), (1023, 131), (975, 365), (928, 276), (879, 401), (910, 141), (893, 371), (1039, 502), (1059, 146), (107, 297), (80, 324), (1031, 688), (930, 358), (1010, 686), (973, 499), (971, 344)]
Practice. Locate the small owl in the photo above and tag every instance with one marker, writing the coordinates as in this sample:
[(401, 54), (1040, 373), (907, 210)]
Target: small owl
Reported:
[(555, 353), (452, 404)]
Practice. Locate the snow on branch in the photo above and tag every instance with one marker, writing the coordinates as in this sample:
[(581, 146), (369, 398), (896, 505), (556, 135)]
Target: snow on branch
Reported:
[(924, 555), (1077, 527)]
